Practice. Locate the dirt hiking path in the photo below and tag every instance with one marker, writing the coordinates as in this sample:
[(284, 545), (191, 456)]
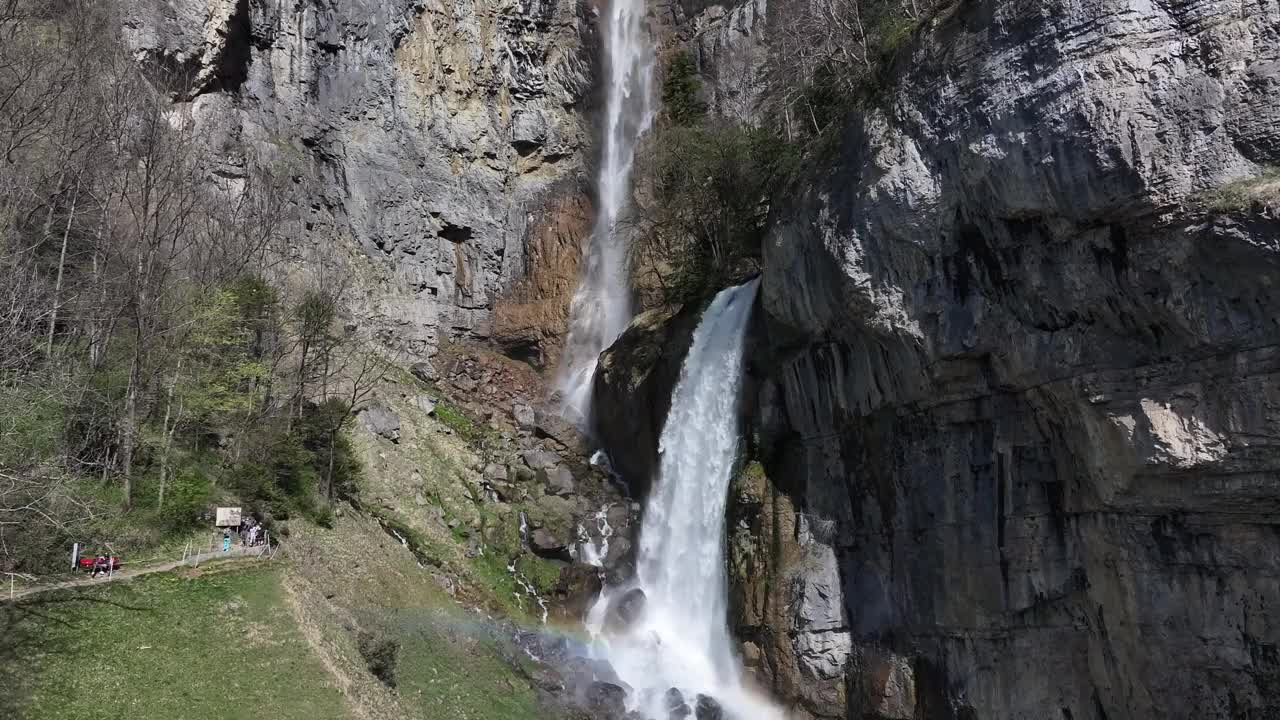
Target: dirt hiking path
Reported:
[(133, 572)]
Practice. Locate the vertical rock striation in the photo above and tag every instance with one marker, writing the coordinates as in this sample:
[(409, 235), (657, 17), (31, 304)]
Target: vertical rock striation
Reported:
[(422, 136), (1026, 383), (1017, 375)]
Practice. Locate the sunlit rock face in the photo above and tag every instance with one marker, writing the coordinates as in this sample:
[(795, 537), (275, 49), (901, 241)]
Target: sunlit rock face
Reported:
[(427, 145), (1015, 390)]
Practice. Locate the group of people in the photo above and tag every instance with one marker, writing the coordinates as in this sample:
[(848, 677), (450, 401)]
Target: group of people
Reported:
[(101, 565), (251, 532)]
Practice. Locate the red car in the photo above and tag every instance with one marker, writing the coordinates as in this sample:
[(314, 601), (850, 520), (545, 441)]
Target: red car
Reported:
[(86, 563)]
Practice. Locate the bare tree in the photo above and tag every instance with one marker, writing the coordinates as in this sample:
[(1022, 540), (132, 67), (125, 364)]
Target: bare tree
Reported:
[(823, 51)]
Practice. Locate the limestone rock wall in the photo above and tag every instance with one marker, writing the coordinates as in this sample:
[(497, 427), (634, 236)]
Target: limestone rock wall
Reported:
[(1026, 383), (1014, 385), (531, 321), (421, 136)]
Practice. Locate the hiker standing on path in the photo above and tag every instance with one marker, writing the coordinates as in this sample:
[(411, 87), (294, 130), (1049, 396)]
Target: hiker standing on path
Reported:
[(226, 540)]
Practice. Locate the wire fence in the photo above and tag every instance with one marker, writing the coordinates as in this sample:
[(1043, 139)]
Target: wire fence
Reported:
[(193, 554)]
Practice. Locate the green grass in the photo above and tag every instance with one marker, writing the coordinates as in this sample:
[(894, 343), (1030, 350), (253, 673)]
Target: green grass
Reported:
[(449, 668), (417, 542), (1263, 188), (448, 665), (453, 417), (543, 574), (32, 427), (754, 470), (490, 571), (162, 647)]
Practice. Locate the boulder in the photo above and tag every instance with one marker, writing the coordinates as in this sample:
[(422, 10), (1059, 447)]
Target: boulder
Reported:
[(625, 610), (677, 708), (606, 701), (619, 551), (619, 516), (426, 404), (550, 424), (528, 131), (507, 492), (424, 372), (575, 593), (708, 709), (381, 420), (524, 416), (544, 543), (560, 481), (545, 677), (580, 673), (540, 459)]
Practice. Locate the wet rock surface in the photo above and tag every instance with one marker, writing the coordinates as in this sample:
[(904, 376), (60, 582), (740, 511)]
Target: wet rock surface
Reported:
[(625, 610), (707, 708), (677, 708), (606, 701), (634, 380)]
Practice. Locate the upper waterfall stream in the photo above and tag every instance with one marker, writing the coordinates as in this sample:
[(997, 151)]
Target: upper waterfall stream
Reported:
[(601, 306), (679, 637)]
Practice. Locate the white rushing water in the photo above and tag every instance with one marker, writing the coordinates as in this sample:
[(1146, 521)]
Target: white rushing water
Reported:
[(681, 638), (601, 306)]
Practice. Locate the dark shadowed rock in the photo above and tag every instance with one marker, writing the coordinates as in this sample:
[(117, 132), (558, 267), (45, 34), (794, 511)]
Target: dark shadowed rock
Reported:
[(576, 591), (619, 552), (708, 709), (634, 382), (624, 610), (560, 481), (677, 708), (545, 543), (606, 701), (551, 425)]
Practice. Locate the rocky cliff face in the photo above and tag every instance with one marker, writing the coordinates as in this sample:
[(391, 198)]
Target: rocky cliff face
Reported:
[(1027, 387), (1018, 383), (1015, 382), (422, 136)]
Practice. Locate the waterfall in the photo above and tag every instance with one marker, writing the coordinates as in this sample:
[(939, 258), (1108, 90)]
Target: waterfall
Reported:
[(679, 636), (601, 306)]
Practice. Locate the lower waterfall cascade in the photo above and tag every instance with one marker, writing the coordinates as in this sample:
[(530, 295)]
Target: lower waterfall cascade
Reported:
[(679, 638)]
